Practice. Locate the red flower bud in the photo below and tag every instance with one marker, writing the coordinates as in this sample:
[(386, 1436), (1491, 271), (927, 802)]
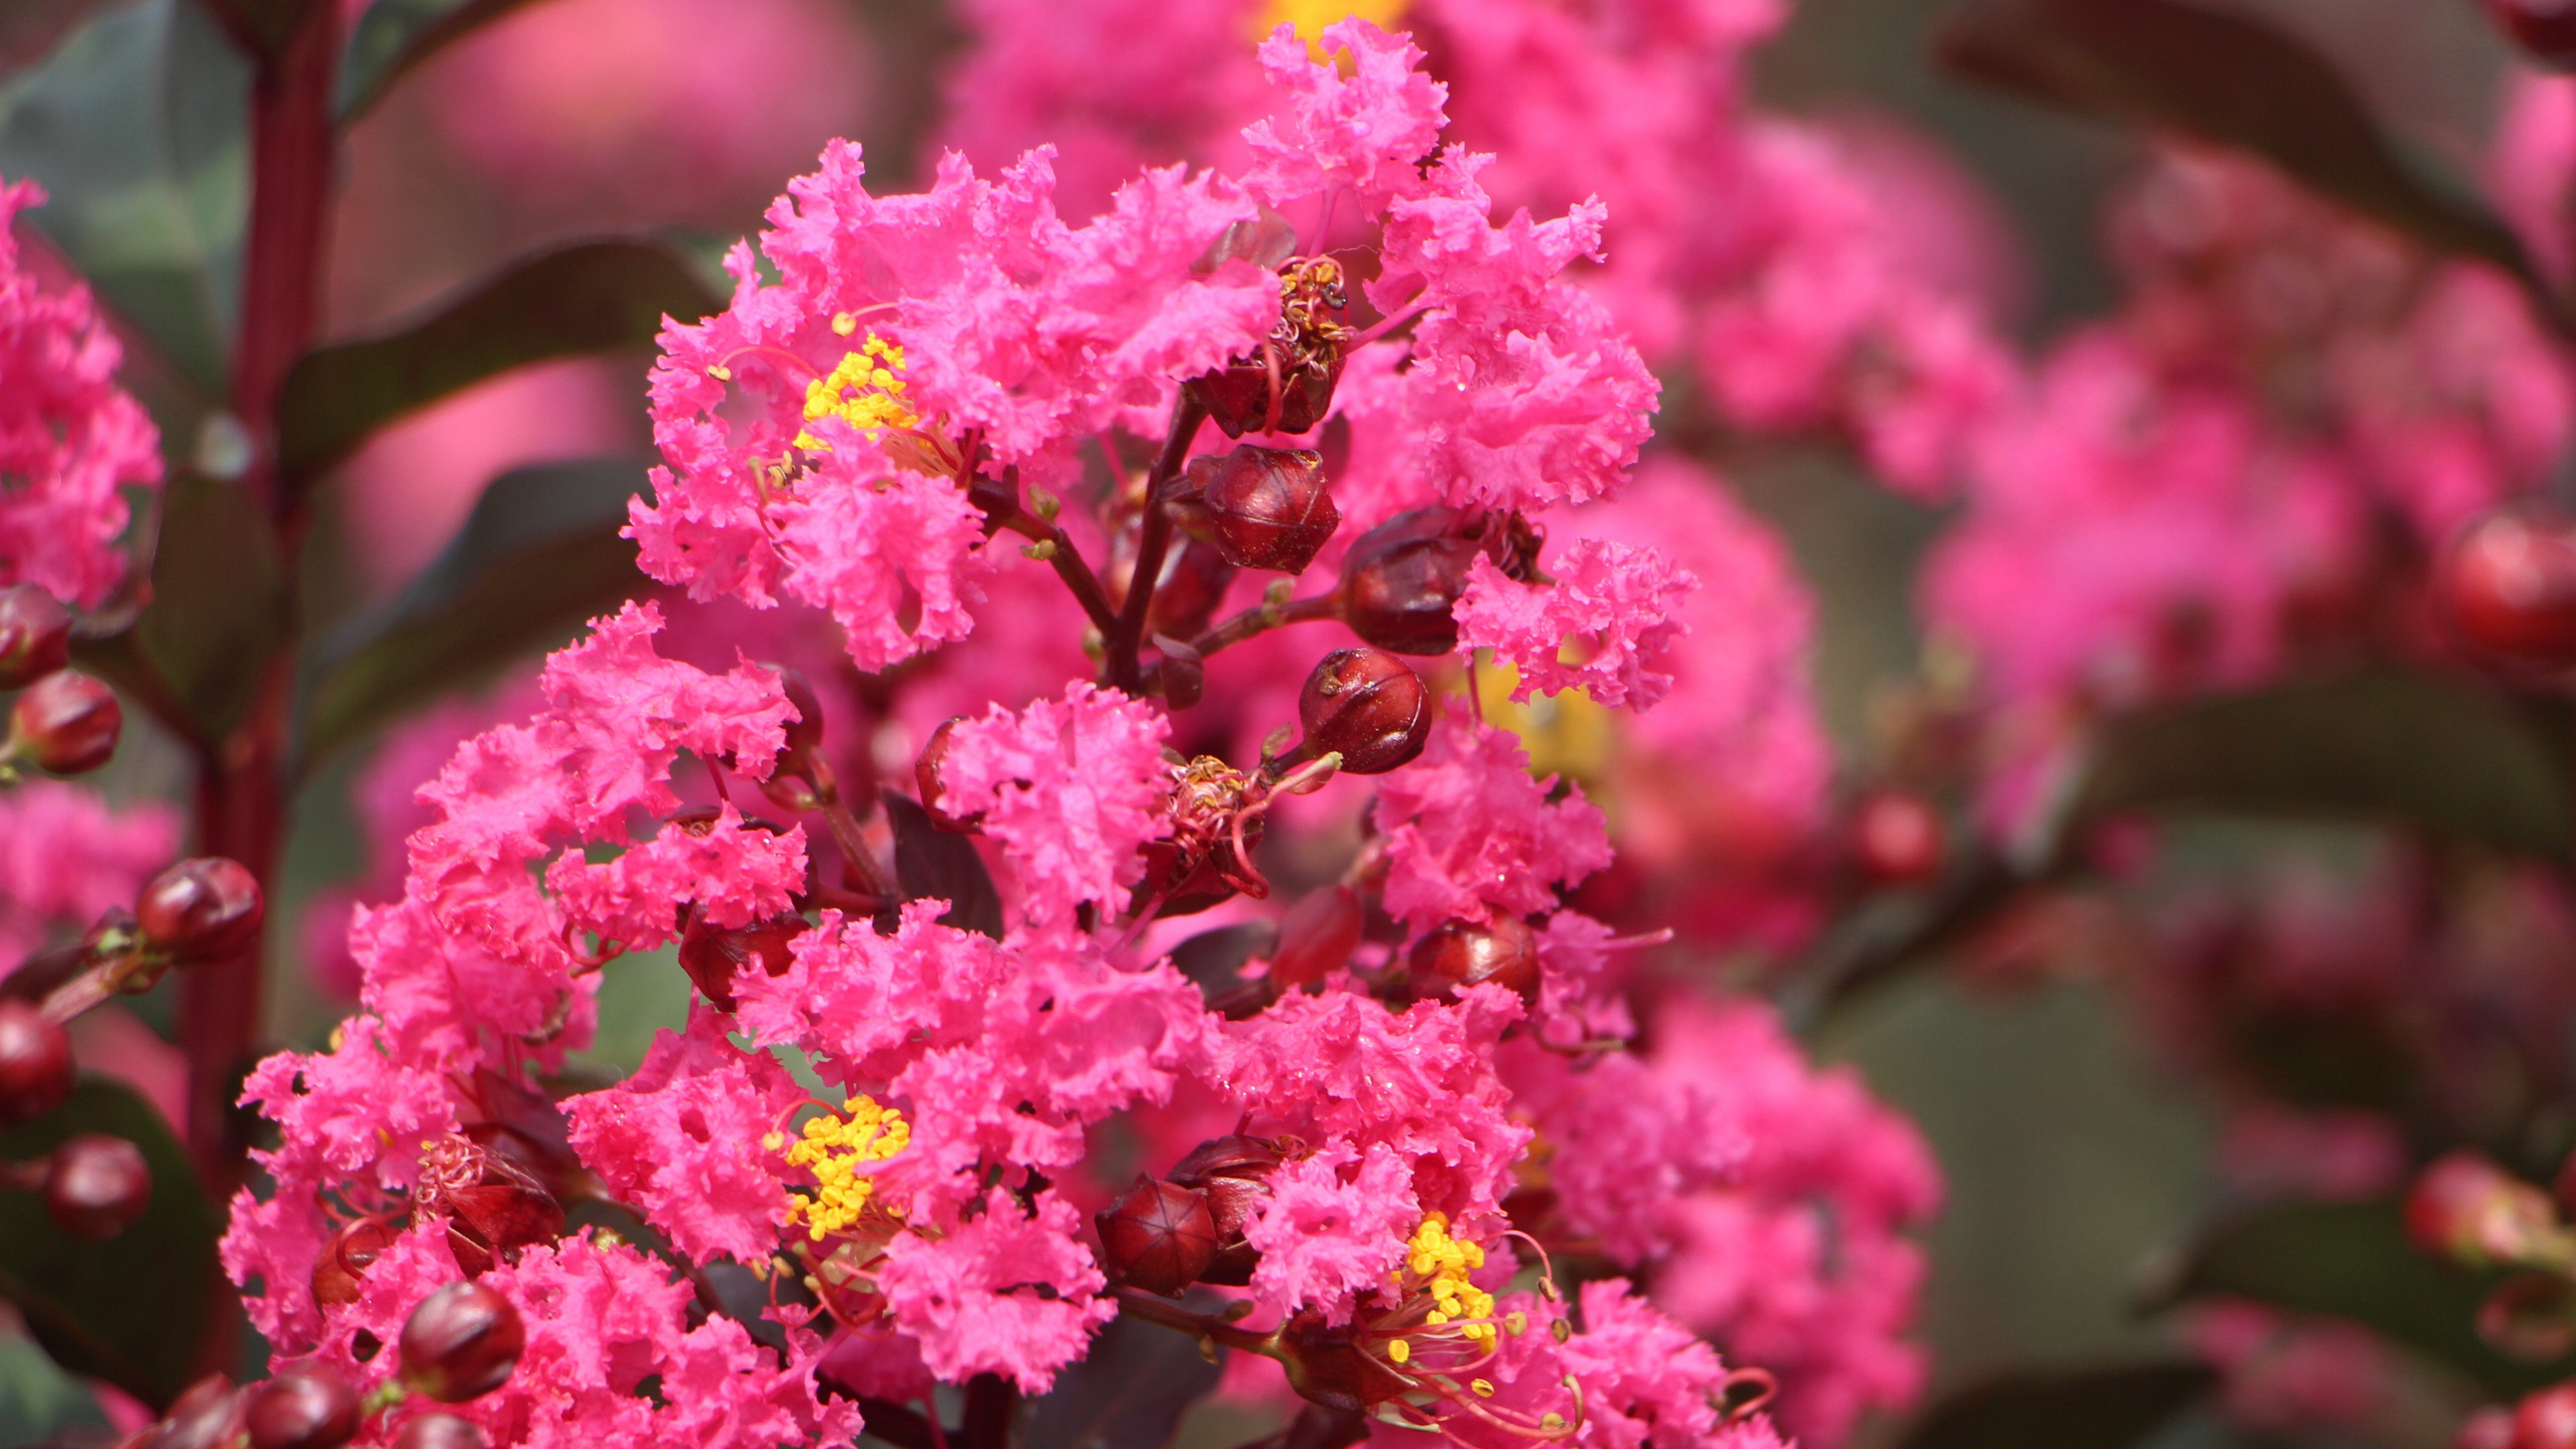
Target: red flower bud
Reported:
[(1501, 952), (2545, 29), (493, 1206), (440, 1431), (35, 635), (2546, 1420), (461, 1343), (68, 723), (97, 1186), (208, 1415), (346, 1258), (1401, 579), (308, 1406), (1897, 838), (35, 1063), (1316, 937), (714, 955), (1267, 508), (926, 773), (2467, 1209), (1233, 1172), (2507, 584), (1158, 1237), (1368, 706), (205, 909)]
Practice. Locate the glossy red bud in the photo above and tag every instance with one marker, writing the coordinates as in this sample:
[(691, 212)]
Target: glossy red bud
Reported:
[(461, 1343), (1233, 1172), (67, 723), (1317, 937), (1158, 1236), (35, 635), (1897, 838), (205, 909), (2507, 584), (36, 1066), (441, 1431), (2546, 1420), (927, 773), (2466, 1209), (1267, 508), (207, 1416), (1501, 952), (346, 1258), (1367, 706), (715, 956), (1401, 579), (97, 1186), (308, 1406)]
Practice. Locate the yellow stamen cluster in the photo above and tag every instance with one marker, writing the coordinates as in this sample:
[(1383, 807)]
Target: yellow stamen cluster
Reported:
[(833, 1148), (1311, 16), (1442, 1262), (865, 391)]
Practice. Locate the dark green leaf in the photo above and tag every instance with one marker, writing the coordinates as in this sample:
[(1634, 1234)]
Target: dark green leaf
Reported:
[(138, 128), (218, 610), (2106, 1407), (589, 297), (2384, 745), (930, 864), (2228, 79), (539, 555), (130, 1309), (2352, 1260), (1128, 1393), (395, 36)]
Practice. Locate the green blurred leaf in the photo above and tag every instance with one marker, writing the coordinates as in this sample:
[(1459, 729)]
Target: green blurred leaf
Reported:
[(218, 610), (2383, 745), (1129, 1392), (2352, 1260), (395, 36), (588, 297), (2106, 1407), (539, 554), (929, 863), (38, 1400), (131, 1309), (2228, 79), (138, 127)]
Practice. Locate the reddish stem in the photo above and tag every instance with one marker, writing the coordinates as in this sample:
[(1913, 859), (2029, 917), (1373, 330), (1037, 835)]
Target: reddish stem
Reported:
[(291, 154), (1157, 537)]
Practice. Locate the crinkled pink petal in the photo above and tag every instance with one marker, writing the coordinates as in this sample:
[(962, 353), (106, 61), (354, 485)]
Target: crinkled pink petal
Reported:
[(1614, 605), (682, 1140), (1334, 1225), (1465, 827), (1071, 787), (971, 1297)]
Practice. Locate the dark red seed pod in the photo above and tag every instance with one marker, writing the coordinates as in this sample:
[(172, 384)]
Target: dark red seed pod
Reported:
[(206, 1416), (1286, 385), (1159, 1236), (926, 772), (1195, 578), (461, 1343), (2545, 29), (714, 956), (205, 909), (346, 1258), (35, 635), (441, 1431), (1317, 936), (308, 1406), (1234, 1174), (1238, 396), (2507, 584), (67, 723), (1367, 706), (1501, 952), (36, 1066), (1402, 578), (97, 1186), (2546, 1420), (1897, 838), (1267, 508)]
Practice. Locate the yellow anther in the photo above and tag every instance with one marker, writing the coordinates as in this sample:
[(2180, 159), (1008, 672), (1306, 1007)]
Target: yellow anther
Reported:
[(833, 1148), (865, 391), (720, 372), (1516, 1323), (1443, 1263), (1481, 1388), (1552, 1421), (774, 1142), (843, 324), (1399, 1350)]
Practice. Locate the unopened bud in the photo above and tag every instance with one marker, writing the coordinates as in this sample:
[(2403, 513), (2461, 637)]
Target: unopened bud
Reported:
[(35, 635), (346, 1258), (207, 1416), (35, 1063), (928, 771), (67, 723), (1181, 673), (2471, 1211), (1502, 951), (2546, 1420), (1367, 706), (1402, 578), (714, 956), (461, 1343), (1316, 937), (2507, 584), (1234, 1174), (1897, 838), (308, 1406), (97, 1186), (205, 909), (1159, 1236), (440, 1431), (1268, 508)]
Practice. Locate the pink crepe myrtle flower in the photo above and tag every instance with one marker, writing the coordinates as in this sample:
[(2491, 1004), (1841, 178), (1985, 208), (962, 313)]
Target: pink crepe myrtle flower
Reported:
[(66, 855), (1468, 828), (71, 440), (969, 1297), (1609, 601), (1070, 787)]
